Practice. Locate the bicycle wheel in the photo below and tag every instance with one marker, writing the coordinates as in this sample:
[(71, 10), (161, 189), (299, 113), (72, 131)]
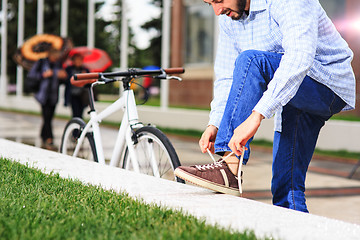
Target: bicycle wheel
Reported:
[(69, 140), (155, 154)]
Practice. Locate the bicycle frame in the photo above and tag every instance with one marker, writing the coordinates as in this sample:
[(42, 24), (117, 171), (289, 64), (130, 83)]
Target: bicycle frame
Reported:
[(124, 138), (127, 137)]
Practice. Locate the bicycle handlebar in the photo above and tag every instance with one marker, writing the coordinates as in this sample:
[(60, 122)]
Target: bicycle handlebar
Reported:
[(129, 73), (86, 76), (174, 70), (81, 82)]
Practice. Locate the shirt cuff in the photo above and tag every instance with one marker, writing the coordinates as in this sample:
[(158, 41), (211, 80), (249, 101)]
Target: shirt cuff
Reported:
[(215, 120), (267, 107)]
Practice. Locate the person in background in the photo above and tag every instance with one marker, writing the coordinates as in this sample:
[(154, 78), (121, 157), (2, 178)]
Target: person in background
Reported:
[(49, 72), (147, 83), (76, 96)]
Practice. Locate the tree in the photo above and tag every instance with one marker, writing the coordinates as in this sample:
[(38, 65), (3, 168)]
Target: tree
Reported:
[(114, 41), (153, 52)]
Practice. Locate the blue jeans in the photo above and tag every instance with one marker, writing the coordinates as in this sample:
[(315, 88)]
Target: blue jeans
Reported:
[(302, 119)]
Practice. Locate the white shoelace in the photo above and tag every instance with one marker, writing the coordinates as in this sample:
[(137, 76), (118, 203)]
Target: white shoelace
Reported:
[(210, 154), (215, 163), (239, 169), (218, 164), (209, 166)]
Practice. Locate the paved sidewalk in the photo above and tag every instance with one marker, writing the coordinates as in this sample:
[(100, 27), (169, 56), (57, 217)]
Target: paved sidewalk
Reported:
[(328, 195)]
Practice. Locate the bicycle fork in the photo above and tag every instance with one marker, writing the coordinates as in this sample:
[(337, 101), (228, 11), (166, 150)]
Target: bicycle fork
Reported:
[(130, 120), (149, 155)]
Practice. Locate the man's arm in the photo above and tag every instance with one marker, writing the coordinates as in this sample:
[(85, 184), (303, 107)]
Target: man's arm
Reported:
[(224, 68), (35, 71), (244, 132), (297, 20)]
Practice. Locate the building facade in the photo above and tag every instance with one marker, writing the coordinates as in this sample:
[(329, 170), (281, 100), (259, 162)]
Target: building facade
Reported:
[(194, 38)]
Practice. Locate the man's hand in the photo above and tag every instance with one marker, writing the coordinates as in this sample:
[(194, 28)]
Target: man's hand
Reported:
[(47, 73), (244, 132), (62, 74), (207, 140)]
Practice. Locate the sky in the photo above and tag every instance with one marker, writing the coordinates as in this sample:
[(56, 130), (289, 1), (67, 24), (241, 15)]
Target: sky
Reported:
[(139, 12)]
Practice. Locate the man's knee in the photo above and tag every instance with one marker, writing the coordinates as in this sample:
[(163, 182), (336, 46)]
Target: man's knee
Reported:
[(265, 62), (247, 55), (248, 61)]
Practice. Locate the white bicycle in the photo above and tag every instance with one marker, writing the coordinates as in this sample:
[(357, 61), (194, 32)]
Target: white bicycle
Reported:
[(143, 149)]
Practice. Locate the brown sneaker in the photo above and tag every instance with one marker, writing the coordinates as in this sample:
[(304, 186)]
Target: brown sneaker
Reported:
[(216, 176)]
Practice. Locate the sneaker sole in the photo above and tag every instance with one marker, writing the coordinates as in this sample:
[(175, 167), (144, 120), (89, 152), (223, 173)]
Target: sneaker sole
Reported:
[(205, 183)]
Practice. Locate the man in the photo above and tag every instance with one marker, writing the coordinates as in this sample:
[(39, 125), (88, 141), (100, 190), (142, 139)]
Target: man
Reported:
[(49, 73), (274, 57)]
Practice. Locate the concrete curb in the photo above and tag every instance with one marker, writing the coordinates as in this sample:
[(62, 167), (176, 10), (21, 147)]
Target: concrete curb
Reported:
[(225, 210)]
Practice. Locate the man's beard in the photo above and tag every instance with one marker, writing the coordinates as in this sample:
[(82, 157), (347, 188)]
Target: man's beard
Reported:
[(241, 4)]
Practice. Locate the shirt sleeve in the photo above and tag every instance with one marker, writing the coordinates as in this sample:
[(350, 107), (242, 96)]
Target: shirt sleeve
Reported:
[(224, 67), (36, 71), (298, 22)]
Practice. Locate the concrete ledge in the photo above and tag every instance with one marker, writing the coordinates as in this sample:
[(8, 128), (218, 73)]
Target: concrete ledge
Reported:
[(225, 210)]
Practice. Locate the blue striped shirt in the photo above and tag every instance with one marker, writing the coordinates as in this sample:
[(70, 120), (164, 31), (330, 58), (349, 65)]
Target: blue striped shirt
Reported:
[(299, 29)]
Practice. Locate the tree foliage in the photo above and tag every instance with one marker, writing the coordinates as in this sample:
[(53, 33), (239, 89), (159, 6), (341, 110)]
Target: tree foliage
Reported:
[(153, 52)]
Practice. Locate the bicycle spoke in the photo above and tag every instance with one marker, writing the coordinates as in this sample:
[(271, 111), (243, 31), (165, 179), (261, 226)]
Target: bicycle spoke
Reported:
[(151, 150), (70, 140)]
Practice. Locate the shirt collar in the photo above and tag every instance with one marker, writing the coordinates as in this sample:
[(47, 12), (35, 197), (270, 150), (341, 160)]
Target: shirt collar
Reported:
[(258, 5)]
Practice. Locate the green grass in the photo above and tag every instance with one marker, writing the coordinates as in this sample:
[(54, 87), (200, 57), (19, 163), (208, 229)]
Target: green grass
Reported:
[(34, 205), (181, 132), (327, 153), (155, 102), (340, 153), (350, 118)]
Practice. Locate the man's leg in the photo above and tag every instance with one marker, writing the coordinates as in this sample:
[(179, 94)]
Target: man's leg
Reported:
[(43, 132), (47, 115), (46, 132), (253, 71), (292, 152), (76, 106), (302, 119)]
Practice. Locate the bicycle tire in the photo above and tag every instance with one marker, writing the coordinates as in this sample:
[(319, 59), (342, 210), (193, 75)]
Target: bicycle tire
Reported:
[(166, 157), (72, 132)]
